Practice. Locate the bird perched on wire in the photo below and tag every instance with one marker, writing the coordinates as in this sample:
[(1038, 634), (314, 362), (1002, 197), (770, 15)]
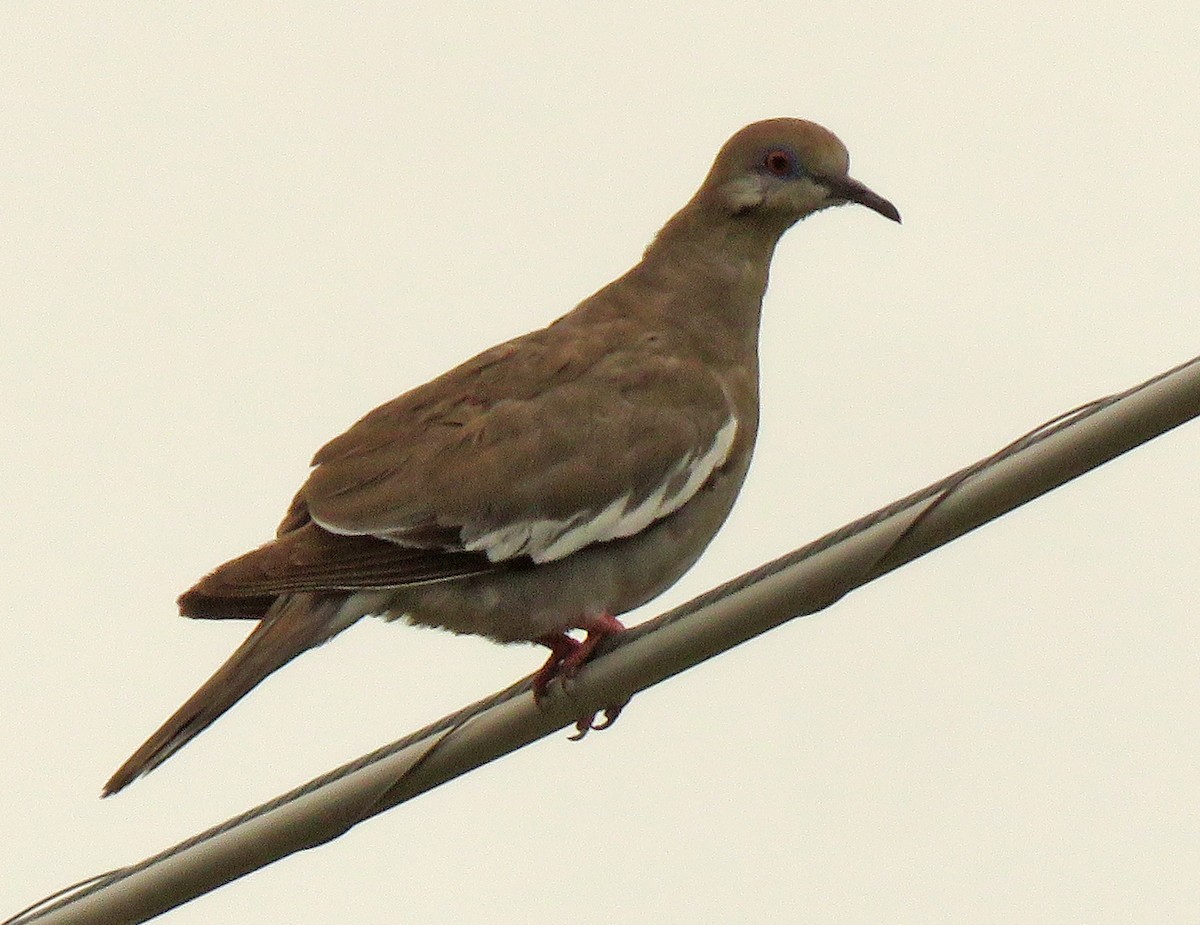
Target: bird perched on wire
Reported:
[(552, 482)]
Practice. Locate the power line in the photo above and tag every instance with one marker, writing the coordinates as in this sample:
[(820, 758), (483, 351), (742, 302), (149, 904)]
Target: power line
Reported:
[(800, 583)]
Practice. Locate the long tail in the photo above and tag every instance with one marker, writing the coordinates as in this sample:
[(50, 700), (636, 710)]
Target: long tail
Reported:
[(293, 624)]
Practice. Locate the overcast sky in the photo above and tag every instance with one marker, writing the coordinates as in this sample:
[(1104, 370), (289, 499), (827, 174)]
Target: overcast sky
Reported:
[(228, 233)]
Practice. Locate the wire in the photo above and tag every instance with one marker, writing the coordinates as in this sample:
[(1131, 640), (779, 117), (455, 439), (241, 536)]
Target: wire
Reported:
[(799, 583)]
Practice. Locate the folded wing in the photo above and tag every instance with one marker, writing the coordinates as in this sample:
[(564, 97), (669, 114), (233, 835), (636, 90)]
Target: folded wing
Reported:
[(529, 452)]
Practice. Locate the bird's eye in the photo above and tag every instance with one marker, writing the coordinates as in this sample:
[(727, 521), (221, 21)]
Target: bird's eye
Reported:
[(780, 163)]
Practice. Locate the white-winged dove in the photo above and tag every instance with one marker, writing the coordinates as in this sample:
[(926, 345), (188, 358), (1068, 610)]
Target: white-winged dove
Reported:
[(552, 482)]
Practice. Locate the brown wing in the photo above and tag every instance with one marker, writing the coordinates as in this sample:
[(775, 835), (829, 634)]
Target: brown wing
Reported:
[(557, 430), (554, 427)]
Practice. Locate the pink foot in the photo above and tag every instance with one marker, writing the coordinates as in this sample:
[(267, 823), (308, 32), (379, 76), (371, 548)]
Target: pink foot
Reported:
[(598, 629), (567, 656), (561, 648)]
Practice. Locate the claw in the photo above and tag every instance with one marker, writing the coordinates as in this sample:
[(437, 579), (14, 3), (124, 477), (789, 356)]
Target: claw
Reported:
[(586, 724)]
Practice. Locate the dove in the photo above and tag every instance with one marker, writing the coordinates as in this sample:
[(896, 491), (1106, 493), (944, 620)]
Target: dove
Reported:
[(553, 482)]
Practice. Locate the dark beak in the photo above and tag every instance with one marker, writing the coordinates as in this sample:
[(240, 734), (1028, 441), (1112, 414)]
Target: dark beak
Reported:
[(853, 191)]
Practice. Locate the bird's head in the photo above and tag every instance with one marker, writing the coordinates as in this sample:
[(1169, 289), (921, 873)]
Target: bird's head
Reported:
[(781, 170)]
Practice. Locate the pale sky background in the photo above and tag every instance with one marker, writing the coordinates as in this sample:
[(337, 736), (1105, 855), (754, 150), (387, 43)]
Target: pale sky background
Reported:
[(227, 233)]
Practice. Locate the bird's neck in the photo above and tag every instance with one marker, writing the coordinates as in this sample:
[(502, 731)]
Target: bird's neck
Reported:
[(716, 258), (704, 238)]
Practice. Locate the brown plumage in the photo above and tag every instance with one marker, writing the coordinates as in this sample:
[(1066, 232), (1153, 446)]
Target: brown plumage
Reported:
[(554, 481)]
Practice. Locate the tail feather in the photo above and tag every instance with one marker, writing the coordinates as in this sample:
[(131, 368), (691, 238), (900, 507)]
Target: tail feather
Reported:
[(293, 624)]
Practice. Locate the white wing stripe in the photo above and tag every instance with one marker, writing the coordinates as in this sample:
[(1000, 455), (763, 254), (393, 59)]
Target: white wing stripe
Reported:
[(549, 539)]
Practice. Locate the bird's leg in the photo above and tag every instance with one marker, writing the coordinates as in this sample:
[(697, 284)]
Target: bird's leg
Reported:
[(562, 647), (567, 656), (598, 629)]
